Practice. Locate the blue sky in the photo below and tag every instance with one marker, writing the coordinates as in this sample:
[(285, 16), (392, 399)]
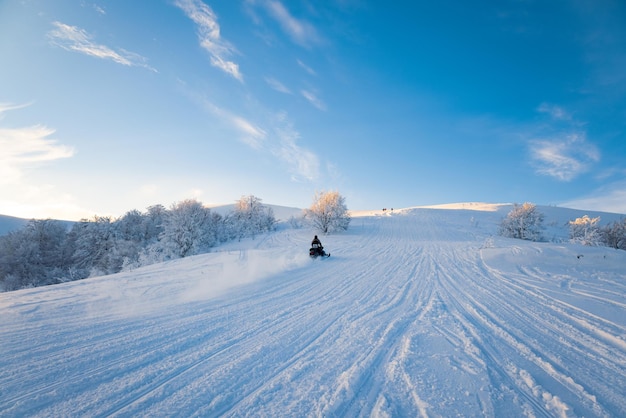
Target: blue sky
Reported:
[(108, 106)]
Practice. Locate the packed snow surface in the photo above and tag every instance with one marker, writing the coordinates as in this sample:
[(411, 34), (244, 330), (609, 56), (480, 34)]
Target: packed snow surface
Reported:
[(418, 312)]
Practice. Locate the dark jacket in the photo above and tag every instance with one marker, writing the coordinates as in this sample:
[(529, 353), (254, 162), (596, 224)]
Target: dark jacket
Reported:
[(316, 243)]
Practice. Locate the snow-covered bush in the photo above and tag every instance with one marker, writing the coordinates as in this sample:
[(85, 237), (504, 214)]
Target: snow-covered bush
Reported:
[(585, 231), (523, 222), (614, 234), (328, 213)]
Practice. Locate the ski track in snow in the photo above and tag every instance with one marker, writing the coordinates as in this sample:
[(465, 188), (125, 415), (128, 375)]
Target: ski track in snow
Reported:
[(417, 313)]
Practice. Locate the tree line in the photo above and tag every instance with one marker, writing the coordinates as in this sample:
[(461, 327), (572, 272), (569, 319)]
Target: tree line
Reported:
[(46, 252)]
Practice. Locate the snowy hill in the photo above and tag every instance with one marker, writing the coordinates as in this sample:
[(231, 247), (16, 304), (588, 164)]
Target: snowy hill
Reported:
[(11, 223), (419, 312), (281, 213)]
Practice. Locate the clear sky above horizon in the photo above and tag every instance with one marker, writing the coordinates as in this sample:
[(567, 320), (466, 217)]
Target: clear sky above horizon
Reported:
[(108, 106)]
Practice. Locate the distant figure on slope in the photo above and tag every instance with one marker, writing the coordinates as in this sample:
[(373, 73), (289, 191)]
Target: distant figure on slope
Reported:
[(317, 249), (316, 243)]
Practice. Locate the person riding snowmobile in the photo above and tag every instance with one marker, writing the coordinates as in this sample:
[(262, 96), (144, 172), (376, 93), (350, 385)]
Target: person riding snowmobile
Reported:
[(316, 247)]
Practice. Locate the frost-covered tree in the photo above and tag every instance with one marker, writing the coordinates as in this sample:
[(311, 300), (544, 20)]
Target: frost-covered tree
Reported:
[(328, 213), (614, 234), (251, 217), (33, 256), (49, 238), (16, 251), (129, 237), (131, 227), (585, 231), (154, 220), (186, 230), (95, 252), (523, 222)]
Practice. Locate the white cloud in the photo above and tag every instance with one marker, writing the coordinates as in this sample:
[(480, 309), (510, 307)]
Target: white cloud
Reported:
[(21, 147), (313, 99), (306, 68), (303, 163), (563, 158), (4, 107), (277, 85), (300, 31), (99, 9), (562, 151), (280, 141), (72, 38), (210, 37), (21, 150), (556, 112), (253, 135)]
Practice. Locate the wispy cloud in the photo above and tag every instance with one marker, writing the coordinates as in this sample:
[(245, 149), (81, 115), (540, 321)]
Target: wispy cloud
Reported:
[(21, 150), (563, 158), (313, 99), (306, 68), (22, 147), (99, 9), (72, 38), (303, 163), (279, 139), (277, 85), (253, 135), (555, 112), (209, 36), (300, 31), (250, 134), (5, 107), (564, 151)]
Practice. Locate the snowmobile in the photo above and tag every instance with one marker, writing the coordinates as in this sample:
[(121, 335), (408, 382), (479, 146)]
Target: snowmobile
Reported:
[(317, 251)]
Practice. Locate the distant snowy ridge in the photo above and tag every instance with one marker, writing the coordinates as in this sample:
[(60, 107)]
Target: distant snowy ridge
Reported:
[(284, 213), (11, 223), (281, 213)]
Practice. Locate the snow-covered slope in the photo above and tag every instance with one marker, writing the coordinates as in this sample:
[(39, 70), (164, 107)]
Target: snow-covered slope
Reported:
[(419, 312), (281, 213), (11, 223)]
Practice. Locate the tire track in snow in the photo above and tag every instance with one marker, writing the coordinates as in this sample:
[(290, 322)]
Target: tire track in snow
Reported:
[(525, 334), (269, 320), (582, 332), (364, 380), (282, 319), (495, 360)]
